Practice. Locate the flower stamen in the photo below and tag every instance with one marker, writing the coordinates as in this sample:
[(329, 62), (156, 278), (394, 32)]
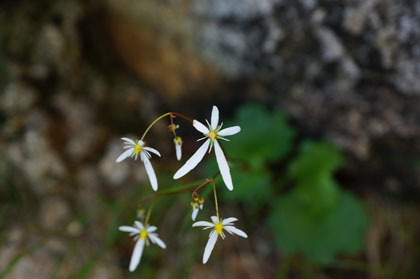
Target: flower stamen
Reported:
[(212, 135), (143, 234), (219, 228), (137, 149)]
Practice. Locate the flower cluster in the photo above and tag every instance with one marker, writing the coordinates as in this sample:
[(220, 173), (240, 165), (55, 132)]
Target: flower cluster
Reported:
[(212, 135)]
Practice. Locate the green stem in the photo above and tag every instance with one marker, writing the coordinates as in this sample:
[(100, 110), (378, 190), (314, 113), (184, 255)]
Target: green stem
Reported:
[(153, 123), (149, 211), (215, 199), (174, 190)]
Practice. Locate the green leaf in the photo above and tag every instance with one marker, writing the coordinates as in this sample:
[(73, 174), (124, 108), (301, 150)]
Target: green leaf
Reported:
[(316, 159), (265, 136), (299, 229), (313, 171), (249, 186)]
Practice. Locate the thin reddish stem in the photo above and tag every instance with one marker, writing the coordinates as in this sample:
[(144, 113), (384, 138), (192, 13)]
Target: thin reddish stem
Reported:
[(157, 195), (182, 116), (204, 184)]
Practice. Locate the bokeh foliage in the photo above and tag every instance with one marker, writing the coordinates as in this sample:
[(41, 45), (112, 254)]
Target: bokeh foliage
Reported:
[(309, 213)]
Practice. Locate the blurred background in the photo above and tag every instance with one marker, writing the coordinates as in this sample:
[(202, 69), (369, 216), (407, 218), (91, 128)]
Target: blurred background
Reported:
[(326, 169)]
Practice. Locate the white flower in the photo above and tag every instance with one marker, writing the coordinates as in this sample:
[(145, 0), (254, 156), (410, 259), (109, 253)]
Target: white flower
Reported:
[(218, 226), (178, 145), (141, 235), (133, 150), (212, 133)]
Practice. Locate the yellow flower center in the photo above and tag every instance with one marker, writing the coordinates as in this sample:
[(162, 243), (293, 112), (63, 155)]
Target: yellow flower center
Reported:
[(219, 228), (212, 135), (143, 234), (137, 148)]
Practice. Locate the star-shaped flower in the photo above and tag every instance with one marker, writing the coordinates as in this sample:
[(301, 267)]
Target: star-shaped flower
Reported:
[(142, 235), (212, 133), (135, 149), (218, 226)]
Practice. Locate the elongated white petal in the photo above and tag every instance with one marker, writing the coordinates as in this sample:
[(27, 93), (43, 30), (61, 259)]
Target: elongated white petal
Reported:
[(140, 142), (223, 165), (151, 150), (125, 155), (236, 231), (200, 127), (129, 229), (209, 246), (229, 220), (203, 224), (178, 151), (128, 146), (157, 240), (229, 131), (129, 141), (214, 219), (194, 214), (214, 118), (151, 229), (193, 161), (150, 173), (139, 225), (136, 256)]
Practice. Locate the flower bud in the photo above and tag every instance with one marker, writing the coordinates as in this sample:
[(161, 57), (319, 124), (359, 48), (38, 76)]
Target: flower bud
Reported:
[(172, 127), (178, 147)]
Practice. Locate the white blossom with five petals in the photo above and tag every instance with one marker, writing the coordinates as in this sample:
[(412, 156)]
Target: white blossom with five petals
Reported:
[(142, 235), (212, 134), (218, 226), (135, 149)]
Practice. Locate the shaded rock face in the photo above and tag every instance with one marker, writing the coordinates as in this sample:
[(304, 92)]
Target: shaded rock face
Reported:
[(77, 75), (373, 40), (345, 70)]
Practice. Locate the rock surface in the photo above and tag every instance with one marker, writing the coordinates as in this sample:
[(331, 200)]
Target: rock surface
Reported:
[(76, 75)]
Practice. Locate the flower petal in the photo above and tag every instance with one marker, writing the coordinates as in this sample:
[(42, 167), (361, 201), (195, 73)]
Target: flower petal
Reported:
[(214, 118), (178, 151), (203, 224), (128, 229), (236, 231), (151, 229), (200, 127), (223, 165), (136, 256), (229, 131), (151, 150), (193, 161), (229, 220), (155, 239), (139, 225), (209, 246), (194, 214), (150, 172), (214, 219), (129, 141), (125, 155)]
